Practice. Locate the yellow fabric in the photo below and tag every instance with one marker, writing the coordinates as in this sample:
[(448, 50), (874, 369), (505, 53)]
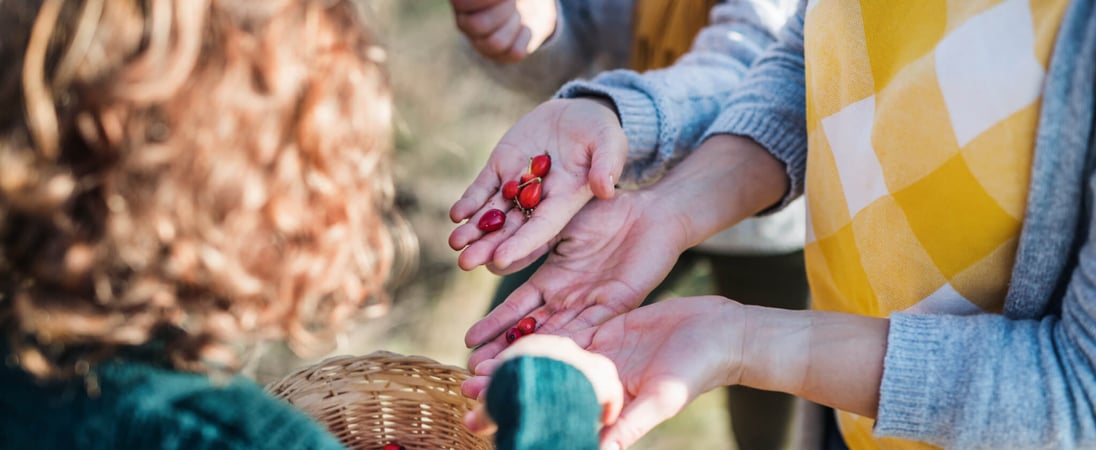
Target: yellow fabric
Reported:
[(918, 169), (665, 29)]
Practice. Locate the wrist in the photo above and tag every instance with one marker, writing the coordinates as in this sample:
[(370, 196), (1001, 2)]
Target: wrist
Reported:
[(776, 349), (829, 358), (724, 181), (603, 101)]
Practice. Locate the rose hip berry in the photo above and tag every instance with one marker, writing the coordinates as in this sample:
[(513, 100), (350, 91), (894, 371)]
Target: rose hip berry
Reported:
[(540, 164), (527, 325), (513, 334), (510, 190), (526, 178), (492, 220), (530, 195)]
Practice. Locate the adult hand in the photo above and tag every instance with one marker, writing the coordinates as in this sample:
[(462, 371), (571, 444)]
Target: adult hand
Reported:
[(666, 354), (605, 262), (598, 369), (506, 31), (587, 146)]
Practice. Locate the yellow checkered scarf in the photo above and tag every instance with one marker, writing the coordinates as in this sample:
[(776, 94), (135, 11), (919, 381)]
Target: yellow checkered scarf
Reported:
[(921, 126)]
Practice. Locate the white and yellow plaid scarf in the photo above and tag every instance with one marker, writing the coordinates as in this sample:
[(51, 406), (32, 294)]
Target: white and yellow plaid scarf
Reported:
[(921, 121)]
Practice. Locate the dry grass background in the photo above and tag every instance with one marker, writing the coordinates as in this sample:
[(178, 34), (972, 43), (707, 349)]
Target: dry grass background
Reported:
[(449, 115)]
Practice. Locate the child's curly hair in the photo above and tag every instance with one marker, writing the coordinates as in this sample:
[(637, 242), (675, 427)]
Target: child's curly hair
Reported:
[(188, 175)]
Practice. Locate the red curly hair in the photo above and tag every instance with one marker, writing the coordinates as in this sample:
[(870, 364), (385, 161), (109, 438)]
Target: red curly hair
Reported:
[(192, 175)]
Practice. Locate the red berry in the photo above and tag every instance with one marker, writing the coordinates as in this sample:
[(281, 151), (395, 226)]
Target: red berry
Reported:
[(510, 190), (393, 446), (527, 325), (526, 178), (513, 335), (540, 164), (492, 220), (529, 197)]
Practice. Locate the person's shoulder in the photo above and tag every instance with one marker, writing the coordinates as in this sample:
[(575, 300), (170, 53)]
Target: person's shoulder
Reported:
[(205, 412)]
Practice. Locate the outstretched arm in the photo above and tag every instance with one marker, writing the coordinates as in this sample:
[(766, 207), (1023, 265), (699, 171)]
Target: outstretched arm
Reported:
[(679, 102), (616, 251), (668, 353)]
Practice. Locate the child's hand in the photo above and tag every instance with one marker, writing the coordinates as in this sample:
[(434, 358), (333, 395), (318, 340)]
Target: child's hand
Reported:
[(587, 147), (506, 31)]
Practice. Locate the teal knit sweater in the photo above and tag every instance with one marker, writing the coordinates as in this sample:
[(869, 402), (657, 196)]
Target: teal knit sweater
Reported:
[(140, 406)]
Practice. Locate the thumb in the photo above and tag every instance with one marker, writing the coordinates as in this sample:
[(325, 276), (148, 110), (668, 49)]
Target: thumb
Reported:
[(654, 405), (609, 151)]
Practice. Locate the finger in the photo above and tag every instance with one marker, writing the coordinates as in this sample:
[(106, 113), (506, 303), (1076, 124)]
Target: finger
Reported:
[(565, 310), (587, 319), (473, 387), (499, 42), (479, 422), (488, 367), (520, 264), (608, 153), (652, 406), (482, 23), (482, 188), (541, 227), (466, 6), (520, 48), (518, 304), (488, 350), (480, 246), (469, 232)]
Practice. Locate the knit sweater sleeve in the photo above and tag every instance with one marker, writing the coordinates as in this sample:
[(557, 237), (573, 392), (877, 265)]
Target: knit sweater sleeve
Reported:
[(1025, 379), (542, 403), (664, 112), (770, 106), (234, 416)]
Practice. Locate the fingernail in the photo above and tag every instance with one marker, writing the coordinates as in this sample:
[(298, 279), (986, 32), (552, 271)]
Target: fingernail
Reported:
[(610, 446)]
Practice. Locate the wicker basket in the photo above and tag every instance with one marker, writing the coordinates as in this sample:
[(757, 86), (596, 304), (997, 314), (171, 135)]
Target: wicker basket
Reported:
[(369, 401)]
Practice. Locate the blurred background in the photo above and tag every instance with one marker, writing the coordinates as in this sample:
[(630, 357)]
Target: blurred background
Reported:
[(448, 117)]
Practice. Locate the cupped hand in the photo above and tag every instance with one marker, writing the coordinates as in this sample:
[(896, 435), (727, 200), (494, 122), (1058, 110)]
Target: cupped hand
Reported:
[(587, 147), (604, 263), (666, 354), (506, 31)]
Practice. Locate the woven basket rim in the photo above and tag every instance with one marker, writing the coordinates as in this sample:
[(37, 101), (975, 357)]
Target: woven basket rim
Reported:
[(383, 396)]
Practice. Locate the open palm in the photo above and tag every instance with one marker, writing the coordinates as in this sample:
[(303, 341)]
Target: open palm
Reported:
[(587, 147), (605, 262), (665, 354)]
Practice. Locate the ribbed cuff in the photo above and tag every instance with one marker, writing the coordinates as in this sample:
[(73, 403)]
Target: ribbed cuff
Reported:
[(786, 145), (909, 376)]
